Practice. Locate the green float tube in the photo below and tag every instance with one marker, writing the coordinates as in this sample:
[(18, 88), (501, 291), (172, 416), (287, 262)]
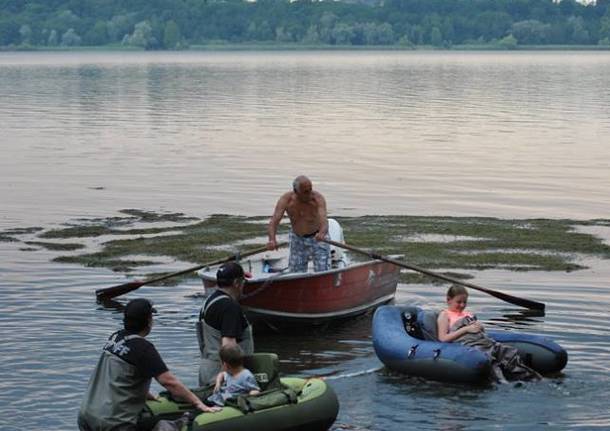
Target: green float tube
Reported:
[(285, 404)]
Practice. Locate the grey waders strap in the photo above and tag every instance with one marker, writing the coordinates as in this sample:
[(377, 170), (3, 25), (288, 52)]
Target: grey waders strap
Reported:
[(199, 324)]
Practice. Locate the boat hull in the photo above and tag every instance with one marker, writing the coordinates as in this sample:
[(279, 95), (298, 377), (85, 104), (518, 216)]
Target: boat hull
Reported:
[(453, 362), (316, 298)]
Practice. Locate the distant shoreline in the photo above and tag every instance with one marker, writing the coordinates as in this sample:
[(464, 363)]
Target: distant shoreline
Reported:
[(305, 47)]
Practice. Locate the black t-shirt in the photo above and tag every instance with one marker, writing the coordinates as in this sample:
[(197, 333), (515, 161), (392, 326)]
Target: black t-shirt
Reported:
[(138, 352), (225, 315)]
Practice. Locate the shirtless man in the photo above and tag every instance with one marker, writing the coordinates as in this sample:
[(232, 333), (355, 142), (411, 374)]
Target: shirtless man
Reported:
[(307, 213)]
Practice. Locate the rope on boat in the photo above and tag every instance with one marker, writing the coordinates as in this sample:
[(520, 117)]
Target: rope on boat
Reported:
[(354, 374), (266, 284)]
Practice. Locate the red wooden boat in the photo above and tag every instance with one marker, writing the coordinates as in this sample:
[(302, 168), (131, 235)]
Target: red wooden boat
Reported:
[(274, 296)]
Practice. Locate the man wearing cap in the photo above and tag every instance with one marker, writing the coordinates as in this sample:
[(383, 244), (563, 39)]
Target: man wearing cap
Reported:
[(222, 321), (306, 210), (119, 386)]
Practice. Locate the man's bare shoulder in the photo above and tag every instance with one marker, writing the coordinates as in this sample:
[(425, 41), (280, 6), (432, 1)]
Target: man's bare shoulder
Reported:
[(318, 197), (284, 201), (286, 197)]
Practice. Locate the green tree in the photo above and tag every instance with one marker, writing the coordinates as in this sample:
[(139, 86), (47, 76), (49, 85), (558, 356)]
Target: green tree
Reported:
[(312, 36), (604, 26), (9, 32), (118, 27), (531, 31), (64, 20), (171, 35), (283, 35), (579, 33), (98, 35), (342, 34), (53, 39), (70, 38), (142, 36), (508, 42), (26, 34), (436, 38), (263, 31), (385, 34), (405, 42), (325, 28)]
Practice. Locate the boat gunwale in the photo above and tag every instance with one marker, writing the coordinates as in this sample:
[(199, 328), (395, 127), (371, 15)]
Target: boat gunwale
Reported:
[(299, 275)]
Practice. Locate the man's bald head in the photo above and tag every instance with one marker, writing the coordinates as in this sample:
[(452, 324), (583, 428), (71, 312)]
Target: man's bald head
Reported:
[(300, 183), (303, 188)]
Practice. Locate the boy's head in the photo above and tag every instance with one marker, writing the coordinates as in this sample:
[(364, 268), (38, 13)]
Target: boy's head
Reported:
[(232, 355)]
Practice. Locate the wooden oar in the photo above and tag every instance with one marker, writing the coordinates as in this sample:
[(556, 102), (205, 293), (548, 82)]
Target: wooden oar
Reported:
[(121, 289), (503, 296)]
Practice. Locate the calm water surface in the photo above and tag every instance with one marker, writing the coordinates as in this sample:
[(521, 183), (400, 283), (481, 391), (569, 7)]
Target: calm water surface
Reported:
[(483, 134), (509, 135)]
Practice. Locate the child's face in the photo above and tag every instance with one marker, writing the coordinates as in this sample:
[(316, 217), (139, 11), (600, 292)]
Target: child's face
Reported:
[(458, 302)]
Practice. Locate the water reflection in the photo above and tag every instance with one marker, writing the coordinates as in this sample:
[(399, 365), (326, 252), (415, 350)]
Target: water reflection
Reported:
[(517, 318), (112, 305), (324, 349)]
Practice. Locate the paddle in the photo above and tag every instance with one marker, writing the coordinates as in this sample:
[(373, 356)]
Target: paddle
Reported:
[(121, 289), (503, 296)]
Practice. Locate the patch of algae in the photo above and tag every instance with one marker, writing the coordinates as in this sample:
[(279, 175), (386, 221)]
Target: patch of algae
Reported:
[(54, 246), (480, 243), (10, 235), (198, 242)]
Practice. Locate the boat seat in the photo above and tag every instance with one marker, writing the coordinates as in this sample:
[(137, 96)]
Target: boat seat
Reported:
[(266, 369), (427, 323)]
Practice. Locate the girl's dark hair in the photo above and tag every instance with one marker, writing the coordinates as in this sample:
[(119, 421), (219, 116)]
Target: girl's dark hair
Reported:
[(456, 290)]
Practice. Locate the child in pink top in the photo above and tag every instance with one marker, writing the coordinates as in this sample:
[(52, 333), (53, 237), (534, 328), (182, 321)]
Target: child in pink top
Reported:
[(457, 299), (457, 324)]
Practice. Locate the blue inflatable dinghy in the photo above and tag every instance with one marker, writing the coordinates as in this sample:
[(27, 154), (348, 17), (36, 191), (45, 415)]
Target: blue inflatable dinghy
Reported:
[(405, 340)]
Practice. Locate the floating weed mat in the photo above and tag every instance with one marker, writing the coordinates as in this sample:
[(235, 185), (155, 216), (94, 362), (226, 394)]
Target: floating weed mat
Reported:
[(11, 235), (195, 242), (481, 243), (87, 228), (455, 245), (56, 246)]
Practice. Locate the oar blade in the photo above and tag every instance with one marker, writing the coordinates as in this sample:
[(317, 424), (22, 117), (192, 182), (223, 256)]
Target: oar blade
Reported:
[(121, 289), (521, 302), (114, 291)]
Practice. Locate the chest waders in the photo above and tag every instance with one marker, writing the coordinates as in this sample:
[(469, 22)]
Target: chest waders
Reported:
[(210, 341), (116, 394)]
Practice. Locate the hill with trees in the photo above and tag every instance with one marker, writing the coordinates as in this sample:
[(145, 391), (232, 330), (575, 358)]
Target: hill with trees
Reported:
[(178, 24)]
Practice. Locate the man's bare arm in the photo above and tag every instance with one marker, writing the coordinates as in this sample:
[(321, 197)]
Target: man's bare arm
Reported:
[(177, 389), (227, 340), (278, 213), (323, 217)]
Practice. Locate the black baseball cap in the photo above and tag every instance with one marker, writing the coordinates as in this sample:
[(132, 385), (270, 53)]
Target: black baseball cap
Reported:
[(228, 273), (137, 312)]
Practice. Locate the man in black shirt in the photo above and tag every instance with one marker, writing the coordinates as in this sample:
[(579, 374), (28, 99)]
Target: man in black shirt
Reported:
[(119, 386), (222, 321)]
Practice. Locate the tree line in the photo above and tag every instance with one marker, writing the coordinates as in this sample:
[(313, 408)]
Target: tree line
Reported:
[(178, 24)]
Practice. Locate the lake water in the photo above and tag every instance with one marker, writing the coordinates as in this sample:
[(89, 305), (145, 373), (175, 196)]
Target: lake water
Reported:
[(481, 134)]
